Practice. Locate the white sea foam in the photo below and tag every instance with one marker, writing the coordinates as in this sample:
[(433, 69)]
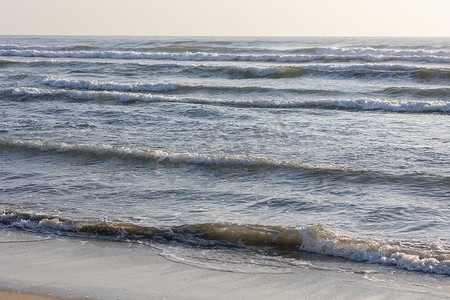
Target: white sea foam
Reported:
[(162, 156), (393, 105), (318, 240), (333, 51), (44, 47), (314, 239), (384, 52), (280, 70), (29, 222), (207, 56), (102, 85), (208, 160), (31, 47), (160, 87)]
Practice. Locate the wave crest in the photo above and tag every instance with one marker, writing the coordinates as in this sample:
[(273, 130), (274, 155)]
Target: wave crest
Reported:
[(165, 157), (314, 239), (226, 161), (115, 86), (368, 104), (208, 56)]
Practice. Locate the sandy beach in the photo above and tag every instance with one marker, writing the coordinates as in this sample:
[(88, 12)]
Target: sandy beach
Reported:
[(78, 268), (5, 295)]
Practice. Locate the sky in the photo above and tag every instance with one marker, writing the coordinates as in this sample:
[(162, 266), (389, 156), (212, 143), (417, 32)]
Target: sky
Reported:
[(226, 17)]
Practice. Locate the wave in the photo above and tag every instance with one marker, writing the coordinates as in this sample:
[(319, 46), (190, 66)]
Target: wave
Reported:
[(314, 239), (114, 86), (359, 71), (152, 47), (365, 104), (167, 87), (374, 51), (32, 63), (440, 93), (47, 48), (207, 56), (224, 161), (233, 72), (211, 46), (7, 62), (188, 48), (160, 156)]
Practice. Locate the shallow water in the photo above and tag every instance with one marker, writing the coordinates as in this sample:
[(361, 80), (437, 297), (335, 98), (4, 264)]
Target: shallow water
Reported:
[(219, 149)]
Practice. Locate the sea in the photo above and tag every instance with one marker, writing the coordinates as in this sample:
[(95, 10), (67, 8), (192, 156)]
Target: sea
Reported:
[(237, 154)]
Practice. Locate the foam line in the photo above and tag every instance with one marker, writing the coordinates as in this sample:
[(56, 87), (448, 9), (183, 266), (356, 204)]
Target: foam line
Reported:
[(313, 238), (207, 56), (364, 104)]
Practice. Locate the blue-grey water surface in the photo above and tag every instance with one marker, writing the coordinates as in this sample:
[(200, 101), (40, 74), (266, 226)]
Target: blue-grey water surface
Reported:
[(336, 146)]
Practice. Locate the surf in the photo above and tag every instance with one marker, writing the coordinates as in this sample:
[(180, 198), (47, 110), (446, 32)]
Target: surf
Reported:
[(364, 104), (207, 56), (228, 162), (260, 238)]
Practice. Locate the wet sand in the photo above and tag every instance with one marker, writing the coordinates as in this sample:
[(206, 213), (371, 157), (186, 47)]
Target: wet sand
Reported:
[(5, 295), (77, 268)]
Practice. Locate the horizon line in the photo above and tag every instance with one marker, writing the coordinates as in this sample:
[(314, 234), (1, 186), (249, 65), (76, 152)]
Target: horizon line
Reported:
[(228, 36)]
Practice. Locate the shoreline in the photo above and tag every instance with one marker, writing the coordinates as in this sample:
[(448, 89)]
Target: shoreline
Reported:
[(74, 268)]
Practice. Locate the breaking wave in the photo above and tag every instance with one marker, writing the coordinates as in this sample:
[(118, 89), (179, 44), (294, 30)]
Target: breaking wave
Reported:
[(228, 161), (166, 157), (348, 56), (440, 93), (166, 87), (114, 86), (360, 71), (46, 48), (364, 104), (273, 239), (213, 46)]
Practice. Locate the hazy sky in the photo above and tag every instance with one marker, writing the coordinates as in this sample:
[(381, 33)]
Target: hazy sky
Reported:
[(227, 17)]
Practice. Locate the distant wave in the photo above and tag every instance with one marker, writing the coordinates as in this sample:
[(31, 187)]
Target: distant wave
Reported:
[(439, 93), (221, 53), (110, 86), (8, 62), (46, 48), (369, 104), (369, 71), (211, 46), (314, 239), (97, 85), (208, 56), (372, 51), (359, 71)]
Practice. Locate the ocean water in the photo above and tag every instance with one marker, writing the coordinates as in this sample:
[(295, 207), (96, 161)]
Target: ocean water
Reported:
[(235, 154)]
